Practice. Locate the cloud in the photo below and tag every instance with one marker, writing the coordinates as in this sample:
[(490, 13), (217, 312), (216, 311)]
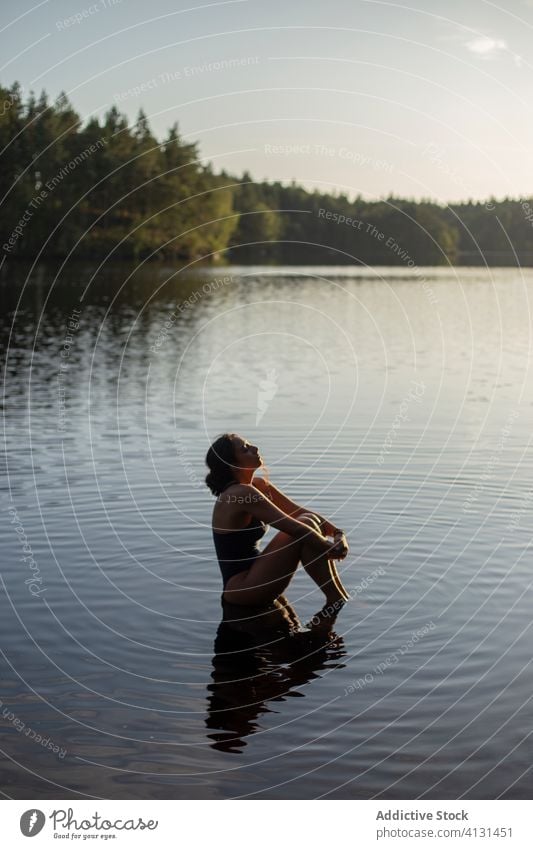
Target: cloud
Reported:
[(483, 45), (477, 43), (472, 39)]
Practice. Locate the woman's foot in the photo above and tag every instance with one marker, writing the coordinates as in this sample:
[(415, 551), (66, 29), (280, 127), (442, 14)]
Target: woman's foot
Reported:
[(337, 594), (327, 615)]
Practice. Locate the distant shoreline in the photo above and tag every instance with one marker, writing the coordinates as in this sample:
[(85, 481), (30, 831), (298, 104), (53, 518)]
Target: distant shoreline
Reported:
[(111, 189), (195, 265)]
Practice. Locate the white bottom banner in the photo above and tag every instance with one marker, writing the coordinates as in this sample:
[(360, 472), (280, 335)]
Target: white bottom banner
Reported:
[(360, 824)]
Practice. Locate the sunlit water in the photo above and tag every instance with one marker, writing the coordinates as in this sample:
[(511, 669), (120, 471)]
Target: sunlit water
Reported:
[(397, 404)]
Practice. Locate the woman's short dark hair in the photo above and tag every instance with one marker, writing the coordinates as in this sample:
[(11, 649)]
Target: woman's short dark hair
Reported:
[(221, 461)]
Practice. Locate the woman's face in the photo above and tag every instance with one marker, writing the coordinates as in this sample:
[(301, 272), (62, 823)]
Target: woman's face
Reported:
[(247, 455)]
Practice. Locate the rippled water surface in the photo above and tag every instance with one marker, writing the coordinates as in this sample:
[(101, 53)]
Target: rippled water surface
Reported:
[(397, 404)]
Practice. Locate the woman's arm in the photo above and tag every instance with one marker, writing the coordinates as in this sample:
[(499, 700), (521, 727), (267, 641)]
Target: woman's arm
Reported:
[(328, 529), (254, 502), (291, 508)]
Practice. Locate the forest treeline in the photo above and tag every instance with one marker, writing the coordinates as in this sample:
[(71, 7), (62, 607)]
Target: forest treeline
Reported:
[(110, 189)]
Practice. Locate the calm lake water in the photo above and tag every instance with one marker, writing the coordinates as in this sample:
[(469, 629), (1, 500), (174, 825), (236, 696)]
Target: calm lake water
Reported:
[(399, 404)]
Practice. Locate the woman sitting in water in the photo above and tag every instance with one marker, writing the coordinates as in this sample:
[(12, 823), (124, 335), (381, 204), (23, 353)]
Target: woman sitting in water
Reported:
[(245, 505)]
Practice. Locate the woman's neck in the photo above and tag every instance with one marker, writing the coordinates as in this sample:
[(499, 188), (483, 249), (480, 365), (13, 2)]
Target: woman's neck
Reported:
[(245, 476)]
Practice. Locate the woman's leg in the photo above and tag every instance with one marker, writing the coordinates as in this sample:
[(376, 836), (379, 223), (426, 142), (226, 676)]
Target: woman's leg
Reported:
[(324, 574), (269, 575), (322, 571)]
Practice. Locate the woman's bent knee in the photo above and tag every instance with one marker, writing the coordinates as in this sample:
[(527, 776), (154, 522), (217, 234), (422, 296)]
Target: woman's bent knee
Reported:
[(309, 519)]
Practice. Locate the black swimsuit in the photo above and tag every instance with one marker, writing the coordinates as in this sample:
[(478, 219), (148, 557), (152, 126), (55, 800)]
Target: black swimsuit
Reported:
[(236, 550)]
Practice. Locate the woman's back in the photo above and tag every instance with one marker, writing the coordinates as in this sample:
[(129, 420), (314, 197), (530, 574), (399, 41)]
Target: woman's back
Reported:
[(236, 534)]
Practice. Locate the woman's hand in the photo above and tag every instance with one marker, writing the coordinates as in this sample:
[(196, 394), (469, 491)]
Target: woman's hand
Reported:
[(341, 547), (336, 550)]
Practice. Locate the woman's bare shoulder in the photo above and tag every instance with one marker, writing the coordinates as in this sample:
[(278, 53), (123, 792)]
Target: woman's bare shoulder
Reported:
[(234, 493), (260, 484)]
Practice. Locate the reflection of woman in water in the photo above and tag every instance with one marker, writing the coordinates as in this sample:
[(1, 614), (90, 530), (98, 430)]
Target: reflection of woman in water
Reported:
[(258, 658), (245, 505)]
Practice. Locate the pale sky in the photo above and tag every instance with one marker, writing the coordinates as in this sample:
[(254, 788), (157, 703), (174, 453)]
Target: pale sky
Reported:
[(431, 98)]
